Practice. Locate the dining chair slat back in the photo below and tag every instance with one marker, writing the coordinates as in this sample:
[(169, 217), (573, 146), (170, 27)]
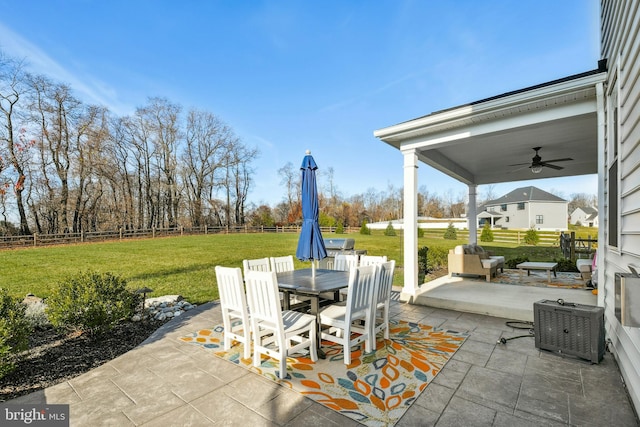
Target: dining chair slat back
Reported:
[(372, 259), (282, 263), (258, 264), (363, 282), (382, 302), (276, 333), (234, 308), (345, 262)]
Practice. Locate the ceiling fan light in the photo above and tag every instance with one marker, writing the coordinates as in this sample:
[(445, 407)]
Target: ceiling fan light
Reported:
[(536, 168)]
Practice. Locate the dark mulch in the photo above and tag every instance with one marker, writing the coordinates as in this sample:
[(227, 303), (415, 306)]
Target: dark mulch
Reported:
[(55, 357)]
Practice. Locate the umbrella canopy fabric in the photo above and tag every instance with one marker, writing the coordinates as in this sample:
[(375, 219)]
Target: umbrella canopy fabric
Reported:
[(310, 245)]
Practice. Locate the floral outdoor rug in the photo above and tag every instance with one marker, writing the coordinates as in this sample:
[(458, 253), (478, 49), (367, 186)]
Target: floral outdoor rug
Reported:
[(566, 280), (376, 389)]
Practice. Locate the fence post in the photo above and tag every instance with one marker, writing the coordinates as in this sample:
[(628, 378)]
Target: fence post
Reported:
[(573, 246), (35, 239), (82, 236), (182, 230), (153, 231), (120, 233)]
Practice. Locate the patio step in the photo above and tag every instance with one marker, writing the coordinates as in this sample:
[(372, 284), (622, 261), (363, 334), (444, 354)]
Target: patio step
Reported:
[(494, 299)]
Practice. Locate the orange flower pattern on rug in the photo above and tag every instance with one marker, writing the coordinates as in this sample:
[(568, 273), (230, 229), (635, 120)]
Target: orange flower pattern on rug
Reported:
[(376, 389)]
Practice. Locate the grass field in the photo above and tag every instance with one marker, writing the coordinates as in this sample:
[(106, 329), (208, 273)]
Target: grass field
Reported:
[(184, 265)]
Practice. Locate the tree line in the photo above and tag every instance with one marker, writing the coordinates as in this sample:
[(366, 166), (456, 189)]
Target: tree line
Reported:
[(68, 166)]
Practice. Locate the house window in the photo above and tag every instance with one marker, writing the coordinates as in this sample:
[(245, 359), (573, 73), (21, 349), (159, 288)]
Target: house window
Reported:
[(506, 219), (503, 208), (612, 175), (539, 219), (521, 206)]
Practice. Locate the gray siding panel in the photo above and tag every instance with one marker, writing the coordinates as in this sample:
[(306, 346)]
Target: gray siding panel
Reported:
[(620, 44)]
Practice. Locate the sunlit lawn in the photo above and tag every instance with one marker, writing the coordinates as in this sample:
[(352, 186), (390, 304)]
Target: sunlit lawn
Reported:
[(184, 265)]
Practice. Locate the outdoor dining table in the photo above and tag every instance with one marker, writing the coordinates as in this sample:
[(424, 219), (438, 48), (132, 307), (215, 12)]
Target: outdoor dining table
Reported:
[(305, 283)]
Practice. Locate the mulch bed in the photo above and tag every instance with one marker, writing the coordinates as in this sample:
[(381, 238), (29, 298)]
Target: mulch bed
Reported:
[(55, 357)]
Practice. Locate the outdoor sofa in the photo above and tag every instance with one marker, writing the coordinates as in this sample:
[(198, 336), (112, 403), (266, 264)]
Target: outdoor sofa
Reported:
[(474, 260)]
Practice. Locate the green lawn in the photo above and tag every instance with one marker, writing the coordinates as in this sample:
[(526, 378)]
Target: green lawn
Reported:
[(184, 265)]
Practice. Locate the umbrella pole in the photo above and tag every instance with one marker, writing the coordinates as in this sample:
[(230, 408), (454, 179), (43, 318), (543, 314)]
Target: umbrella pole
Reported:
[(313, 268)]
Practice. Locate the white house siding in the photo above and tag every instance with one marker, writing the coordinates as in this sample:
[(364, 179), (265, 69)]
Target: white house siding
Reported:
[(554, 215), (584, 218), (620, 44)]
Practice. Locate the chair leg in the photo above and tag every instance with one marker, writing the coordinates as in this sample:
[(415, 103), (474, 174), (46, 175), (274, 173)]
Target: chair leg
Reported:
[(247, 345), (347, 353), (283, 364), (313, 347)]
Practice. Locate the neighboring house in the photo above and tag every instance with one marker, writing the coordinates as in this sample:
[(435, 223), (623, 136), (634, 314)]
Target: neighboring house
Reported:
[(525, 208), (587, 217), (589, 120)]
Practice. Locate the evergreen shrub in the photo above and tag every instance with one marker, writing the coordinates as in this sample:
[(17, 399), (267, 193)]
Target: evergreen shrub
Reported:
[(14, 331), (487, 233), (451, 233), (91, 302), (390, 231)]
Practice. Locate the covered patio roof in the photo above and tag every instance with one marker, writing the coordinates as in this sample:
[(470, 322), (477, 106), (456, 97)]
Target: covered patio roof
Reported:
[(476, 143), (492, 141)]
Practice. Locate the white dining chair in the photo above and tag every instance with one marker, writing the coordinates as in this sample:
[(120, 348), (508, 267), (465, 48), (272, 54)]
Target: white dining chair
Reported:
[(258, 264), (233, 304), (277, 333), (345, 262), (340, 318), (282, 263), (382, 303), (372, 259)]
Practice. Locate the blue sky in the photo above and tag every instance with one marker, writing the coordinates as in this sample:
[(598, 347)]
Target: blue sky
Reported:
[(289, 76)]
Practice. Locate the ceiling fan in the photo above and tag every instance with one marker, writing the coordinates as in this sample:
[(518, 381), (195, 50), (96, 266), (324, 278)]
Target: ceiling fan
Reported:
[(537, 164)]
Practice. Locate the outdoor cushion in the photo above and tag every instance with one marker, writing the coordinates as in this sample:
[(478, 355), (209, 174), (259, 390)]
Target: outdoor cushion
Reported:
[(489, 263)]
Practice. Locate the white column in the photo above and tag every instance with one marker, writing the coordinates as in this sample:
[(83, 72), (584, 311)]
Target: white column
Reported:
[(602, 254), (472, 215), (410, 222)]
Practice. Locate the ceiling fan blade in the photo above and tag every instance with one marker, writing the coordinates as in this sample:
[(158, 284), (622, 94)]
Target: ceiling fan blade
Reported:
[(521, 164), (566, 159), (525, 166), (548, 165)]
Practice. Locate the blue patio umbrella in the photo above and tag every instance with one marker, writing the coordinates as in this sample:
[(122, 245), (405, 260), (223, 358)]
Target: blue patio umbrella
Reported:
[(310, 245)]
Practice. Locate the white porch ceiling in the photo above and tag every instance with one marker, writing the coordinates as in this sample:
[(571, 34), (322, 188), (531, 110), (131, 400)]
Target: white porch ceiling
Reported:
[(477, 143)]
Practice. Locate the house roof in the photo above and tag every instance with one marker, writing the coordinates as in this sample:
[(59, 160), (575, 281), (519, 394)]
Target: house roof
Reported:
[(588, 210), (525, 194), (492, 140)]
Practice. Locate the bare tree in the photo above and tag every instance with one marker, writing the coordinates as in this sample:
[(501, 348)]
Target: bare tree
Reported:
[(208, 141), (290, 178), (12, 88)]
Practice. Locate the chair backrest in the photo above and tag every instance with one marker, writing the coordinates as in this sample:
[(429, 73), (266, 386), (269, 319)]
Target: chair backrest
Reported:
[(231, 288), (372, 259), (282, 263), (344, 262), (264, 298), (386, 281), (363, 286), (260, 264)]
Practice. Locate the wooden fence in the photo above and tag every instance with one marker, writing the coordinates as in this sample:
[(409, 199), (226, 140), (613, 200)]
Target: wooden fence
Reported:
[(82, 237), (546, 238), (574, 247)]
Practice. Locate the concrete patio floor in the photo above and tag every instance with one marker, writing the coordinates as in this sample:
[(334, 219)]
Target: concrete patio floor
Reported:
[(166, 382), (493, 299)]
